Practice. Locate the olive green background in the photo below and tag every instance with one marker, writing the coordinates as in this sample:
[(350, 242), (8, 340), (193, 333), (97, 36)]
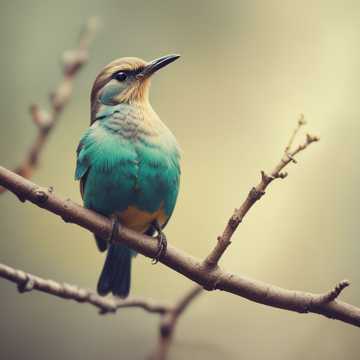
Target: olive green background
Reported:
[(248, 68)]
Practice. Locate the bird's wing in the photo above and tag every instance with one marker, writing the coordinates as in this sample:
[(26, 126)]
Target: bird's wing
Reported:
[(105, 161), (82, 163)]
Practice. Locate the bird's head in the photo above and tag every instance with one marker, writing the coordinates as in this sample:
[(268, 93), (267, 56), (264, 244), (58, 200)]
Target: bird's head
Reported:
[(125, 80)]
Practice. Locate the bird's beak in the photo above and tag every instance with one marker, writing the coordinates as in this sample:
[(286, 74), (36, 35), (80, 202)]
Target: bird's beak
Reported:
[(156, 65)]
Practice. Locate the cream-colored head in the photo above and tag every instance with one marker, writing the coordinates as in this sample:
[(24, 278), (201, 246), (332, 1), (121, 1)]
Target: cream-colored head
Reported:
[(125, 80)]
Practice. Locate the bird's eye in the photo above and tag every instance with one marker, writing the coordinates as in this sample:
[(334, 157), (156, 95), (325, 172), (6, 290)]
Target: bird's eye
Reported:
[(120, 76)]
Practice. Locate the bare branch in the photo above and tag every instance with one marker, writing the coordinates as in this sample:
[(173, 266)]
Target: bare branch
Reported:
[(169, 321), (255, 194), (73, 61), (27, 282), (194, 269)]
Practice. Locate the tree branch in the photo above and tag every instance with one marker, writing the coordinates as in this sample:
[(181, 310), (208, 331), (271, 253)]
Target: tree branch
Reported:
[(210, 278), (73, 61), (170, 314), (27, 282), (169, 321), (255, 194)]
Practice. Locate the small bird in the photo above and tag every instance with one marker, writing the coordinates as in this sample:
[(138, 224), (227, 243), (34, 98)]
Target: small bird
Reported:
[(127, 164)]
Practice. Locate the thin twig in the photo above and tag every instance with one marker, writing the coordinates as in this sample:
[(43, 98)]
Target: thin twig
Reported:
[(169, 321), (301, 122), (194, 269), (73, 61), (27, 282), (254, 195)]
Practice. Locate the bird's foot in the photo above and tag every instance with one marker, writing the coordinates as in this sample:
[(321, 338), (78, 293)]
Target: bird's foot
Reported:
[(162, 243), (115, 224)]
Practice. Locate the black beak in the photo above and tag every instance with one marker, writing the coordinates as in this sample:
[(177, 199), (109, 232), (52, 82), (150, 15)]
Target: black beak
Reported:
[(156, 65)]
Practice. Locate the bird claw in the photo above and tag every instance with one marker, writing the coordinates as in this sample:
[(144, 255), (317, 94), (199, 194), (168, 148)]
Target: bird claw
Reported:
[(162, 244)]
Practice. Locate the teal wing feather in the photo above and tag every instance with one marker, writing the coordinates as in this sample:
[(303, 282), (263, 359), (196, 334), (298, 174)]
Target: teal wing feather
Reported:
[(110, 165), (82, 163)]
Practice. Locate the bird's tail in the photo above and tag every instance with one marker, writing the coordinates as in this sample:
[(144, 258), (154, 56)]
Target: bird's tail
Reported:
[(115, 275)]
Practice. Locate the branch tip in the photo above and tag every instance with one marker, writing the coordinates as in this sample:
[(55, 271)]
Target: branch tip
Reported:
[(333, 294), (282, 175), (301, 120), (311, 138)]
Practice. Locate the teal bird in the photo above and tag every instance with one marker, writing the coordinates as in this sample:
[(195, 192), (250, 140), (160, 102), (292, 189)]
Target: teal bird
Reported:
[(127, 163)]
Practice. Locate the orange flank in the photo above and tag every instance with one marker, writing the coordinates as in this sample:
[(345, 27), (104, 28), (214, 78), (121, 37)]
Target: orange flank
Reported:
[(140, 220)]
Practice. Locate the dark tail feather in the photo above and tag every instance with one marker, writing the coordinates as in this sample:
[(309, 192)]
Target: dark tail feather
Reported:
[(115, 276), (101, 244)]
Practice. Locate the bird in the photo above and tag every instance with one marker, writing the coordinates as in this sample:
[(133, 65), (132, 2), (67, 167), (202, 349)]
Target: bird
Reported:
[(128, 164)]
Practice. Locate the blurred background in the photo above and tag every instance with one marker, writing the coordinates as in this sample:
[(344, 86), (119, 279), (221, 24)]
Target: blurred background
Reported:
[(248, 68)]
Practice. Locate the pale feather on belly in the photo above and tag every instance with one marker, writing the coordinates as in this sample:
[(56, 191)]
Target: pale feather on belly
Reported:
[(140, 220)]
